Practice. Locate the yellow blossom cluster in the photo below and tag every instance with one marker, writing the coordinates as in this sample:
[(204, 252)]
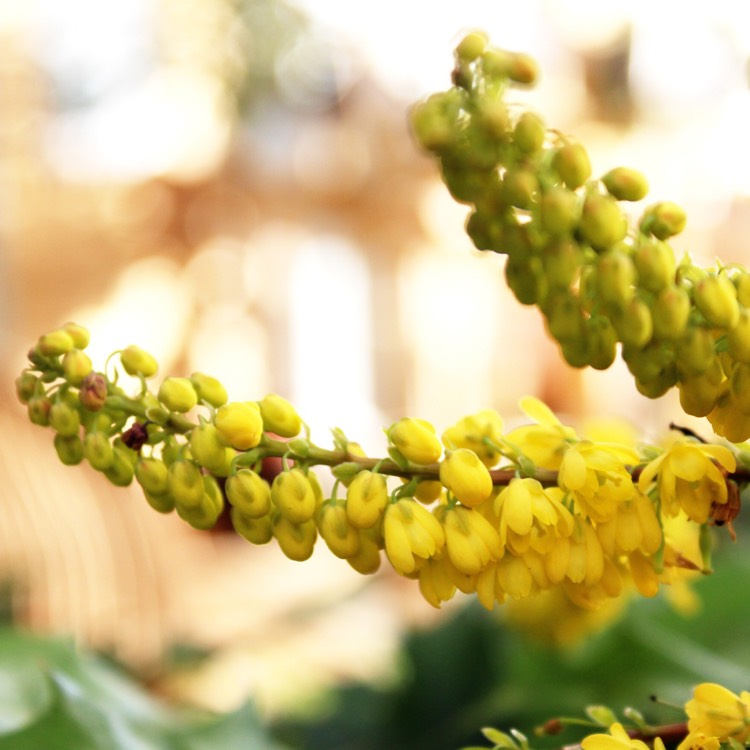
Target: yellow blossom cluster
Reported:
[(502, 514)]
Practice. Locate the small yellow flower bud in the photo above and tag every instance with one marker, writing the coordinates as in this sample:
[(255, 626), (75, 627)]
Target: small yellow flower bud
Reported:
[(670, 311), (633, 323), (292, 494), (367, 559), (520, 187), (240, 424), (411, 534), (696, 351), (69, 449), (120, 472), (64, 419), (716, 298), (738, 338), (602, 222), (208, 449), (615, 274), (529, 133), (471, 46), (655, 262), (163, 503), (428, 491), (572, 163), (523, 69), (249, 493), (137, 362), (55, 343), (26, 384), (202, 516), (559, 210), (76, 366), (279, 416), (254, 530), (463, 473), (209, 389), (471, 541), (39, 409), (177, 394), (663, 220), (296, 541), (416, 440), (366, 498), (335, 528), (152, 474), (97, 450), (625, 184), (79, 334), (185, 483)]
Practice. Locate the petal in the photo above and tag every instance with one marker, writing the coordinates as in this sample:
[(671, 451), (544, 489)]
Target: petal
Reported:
[(538, 411), (649, 472)]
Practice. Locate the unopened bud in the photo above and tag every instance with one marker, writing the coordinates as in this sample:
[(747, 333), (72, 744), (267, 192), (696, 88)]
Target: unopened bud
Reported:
[(209, 389), (55, 343), (523, 69), (571, 162), (185, 483), (137, 362), (366, 499), (529, 133), (26, 384), (69, 449), (562, 260), (336, 530), (615, 274), (625, 184), (76, 366), (207, 447), (152, 474), (254, 530), (663, 220), (93, 391), (559, 210), (464, 474), (39, 409), (416, 440), (602, 222), (79, 334), (655, 262), (296, 540), (97, 450), (177, 394), (64, 419), (240, 424), (670, 311), (716, 298), (696, 351), (249, 493), (293, 495), (279, 416), (471, 46), (738, 338), (633, 323), (120, 472)]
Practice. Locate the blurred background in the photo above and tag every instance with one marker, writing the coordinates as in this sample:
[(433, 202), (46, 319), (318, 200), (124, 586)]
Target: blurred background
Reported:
[(232, 185)]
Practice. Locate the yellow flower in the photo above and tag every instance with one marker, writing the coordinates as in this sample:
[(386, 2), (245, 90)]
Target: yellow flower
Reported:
[(240, 424), (718, 712), (617, 739), (596, 475), (688, 478), (634, 525), (699, 741), (466, 477), (471, 431), (470, 540), (411, 534), (545, 442)]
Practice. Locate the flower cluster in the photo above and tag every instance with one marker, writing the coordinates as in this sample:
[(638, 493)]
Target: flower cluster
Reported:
[(504, 514), (570, 249)]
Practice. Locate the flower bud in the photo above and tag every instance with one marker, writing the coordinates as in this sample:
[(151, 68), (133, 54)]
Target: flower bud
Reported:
[(523, 69), (428, 491), (79, 334), (625, 184), (559, 210), (670, 311), (76, 366), (463, 473), (367, 559), (296, 541), (716, 298), (602, 342), (564, 316), (738, 338), (55, 343), (152, 474), (602, 222), (655, 262), (163, 503), (695, 351), (69, 449), (497, 63), (525, 277), (137, 362), (741, 283), (39, 409), (240, 424), (213, 494), (93, 391), (64, 419), (293, 495), (208, 449), (366, 498), (185, 483), (97, 450), (120, 472), (562, 260), (529, 133), (520, 187), (411, 534), (615, 274), (416, 440), (177, 394), (249, 493), (336, 529), (571, 162), (471, 46), (202, 516), (279, 416), (209, 389), (663, 220), (26, 384), (254, 530), (633, 323), (470, 539)]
